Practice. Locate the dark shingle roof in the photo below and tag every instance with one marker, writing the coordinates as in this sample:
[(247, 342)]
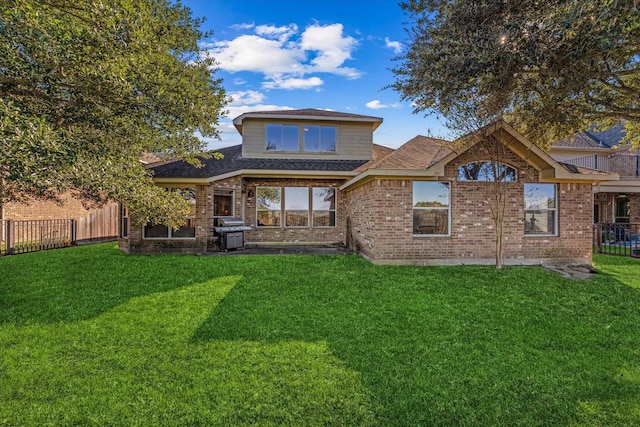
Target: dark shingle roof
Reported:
[(233, 161), (313, 112), (607, 138)]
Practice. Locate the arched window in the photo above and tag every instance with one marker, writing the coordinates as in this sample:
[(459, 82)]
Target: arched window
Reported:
[(487, 171)]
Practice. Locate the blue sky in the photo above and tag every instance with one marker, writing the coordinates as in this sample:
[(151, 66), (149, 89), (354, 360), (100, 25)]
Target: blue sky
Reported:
[(335, 55)]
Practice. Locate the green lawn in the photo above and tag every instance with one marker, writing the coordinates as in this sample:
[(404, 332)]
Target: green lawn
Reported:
[(90, 336)]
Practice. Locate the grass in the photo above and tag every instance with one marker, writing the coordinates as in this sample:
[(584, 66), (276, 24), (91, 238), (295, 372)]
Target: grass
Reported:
[(91, 336)]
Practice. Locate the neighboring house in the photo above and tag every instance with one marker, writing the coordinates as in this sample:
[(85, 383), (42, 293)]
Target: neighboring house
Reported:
[(314, 176), (616, 201)]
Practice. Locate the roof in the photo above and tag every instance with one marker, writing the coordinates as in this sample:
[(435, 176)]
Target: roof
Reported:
[(310, 114), (426, 157), (417, 153), (233, 162), (605, 139)]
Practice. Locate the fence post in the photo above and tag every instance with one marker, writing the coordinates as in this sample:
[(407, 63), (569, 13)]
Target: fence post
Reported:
[(10, 237)]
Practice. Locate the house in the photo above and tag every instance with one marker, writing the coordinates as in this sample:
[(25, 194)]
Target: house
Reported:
[(313, 176), (616, 201)]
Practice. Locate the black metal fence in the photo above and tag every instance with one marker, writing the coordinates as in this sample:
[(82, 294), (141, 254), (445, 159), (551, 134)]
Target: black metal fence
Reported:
[(617, 239), (35, 235)]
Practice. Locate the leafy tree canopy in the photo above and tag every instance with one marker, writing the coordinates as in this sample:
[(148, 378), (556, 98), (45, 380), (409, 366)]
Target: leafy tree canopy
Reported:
[(552, 67), (87, 87)]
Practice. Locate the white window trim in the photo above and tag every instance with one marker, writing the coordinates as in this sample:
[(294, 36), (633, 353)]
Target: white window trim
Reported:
[(555, 217)]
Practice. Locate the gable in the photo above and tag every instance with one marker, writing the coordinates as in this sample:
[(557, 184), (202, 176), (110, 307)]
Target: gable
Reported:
[(427, 158)]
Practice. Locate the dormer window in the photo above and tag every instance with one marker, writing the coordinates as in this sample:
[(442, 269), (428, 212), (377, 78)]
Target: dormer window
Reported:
[(320, 139), (487, 171), (283, 138), (316, 139)]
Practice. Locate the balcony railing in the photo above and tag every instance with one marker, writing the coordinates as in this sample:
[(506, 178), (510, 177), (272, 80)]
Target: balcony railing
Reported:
[(625, 165)]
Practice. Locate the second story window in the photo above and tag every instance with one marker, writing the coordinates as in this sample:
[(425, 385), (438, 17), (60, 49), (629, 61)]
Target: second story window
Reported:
[(283, 138), (320, 139)]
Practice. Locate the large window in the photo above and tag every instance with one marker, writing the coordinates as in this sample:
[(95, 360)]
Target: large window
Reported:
[(431, 202), (320, 139), (540, 209), (324, 207), (269, 206), (296, 206), (317, 139), (486, 171), (283, 138), (300, 206), (187, 231)]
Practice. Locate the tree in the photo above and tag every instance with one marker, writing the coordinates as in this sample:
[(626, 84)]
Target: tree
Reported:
[(554, 67), (87, 87)]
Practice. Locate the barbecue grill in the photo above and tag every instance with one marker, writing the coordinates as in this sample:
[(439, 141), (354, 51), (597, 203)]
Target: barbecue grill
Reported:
[(230, 231)]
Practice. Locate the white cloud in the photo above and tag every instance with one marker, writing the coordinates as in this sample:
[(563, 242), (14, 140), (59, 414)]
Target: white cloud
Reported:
[(293, 83), (257, 54), (285, 57), (332, 48), (396, 46), (377, 105), (241, 27), (279, 33), (246, 97)]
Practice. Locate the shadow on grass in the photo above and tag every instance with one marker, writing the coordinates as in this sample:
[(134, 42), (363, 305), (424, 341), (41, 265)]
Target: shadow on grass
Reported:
[(137, 365), (92, 336), (454, 346), (80, 283)]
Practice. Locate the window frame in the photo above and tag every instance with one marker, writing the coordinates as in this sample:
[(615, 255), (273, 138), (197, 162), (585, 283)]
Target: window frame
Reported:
[(224, 192), (286, 211), (170, 230), (258, 210), (414, 208), (307, 127), (124, 222), (283, 140), (333, 213), (462, 175), (541, 210)]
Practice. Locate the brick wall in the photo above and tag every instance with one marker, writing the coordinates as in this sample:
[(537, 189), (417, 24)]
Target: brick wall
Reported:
[(135, 244), (298, 234), (69, 208), (381, 216)]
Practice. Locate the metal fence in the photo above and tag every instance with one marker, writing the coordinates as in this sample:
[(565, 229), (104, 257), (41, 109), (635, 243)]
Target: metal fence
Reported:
[(617, 239), (20, 236)]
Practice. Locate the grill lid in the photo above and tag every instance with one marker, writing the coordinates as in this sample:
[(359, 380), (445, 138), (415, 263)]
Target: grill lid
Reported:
[(229, 221)]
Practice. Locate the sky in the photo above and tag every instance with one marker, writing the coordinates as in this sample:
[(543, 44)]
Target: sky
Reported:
[(295, 54)]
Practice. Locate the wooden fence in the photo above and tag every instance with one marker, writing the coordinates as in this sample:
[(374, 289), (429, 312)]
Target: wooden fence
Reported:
[(20, 236)]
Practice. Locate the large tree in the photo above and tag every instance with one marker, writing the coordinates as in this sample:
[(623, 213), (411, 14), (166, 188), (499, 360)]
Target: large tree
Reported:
[(552, 67), (88, 86)]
